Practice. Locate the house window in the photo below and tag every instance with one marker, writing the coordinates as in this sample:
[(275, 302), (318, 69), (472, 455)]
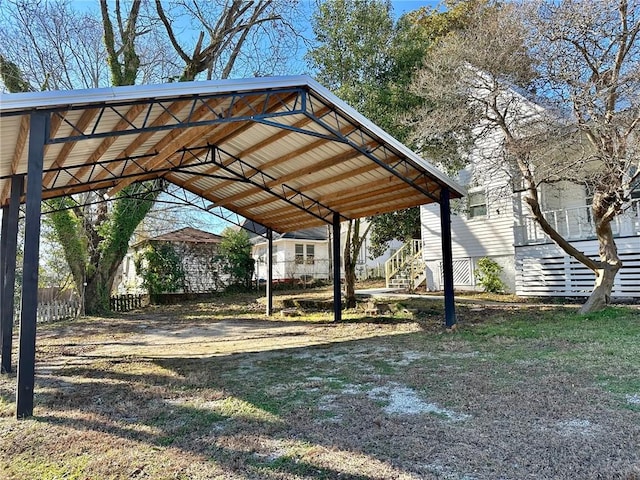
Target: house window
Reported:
[(299, 258), (274, 256), (311, 254), (477, 204)]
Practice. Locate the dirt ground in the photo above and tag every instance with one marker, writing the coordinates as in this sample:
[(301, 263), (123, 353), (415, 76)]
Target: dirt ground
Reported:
[(220, 391)]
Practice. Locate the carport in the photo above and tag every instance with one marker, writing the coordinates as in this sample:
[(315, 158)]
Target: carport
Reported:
[(283, 152)]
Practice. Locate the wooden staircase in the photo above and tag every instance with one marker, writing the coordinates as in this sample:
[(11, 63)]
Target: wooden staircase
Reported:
[(406, 269)]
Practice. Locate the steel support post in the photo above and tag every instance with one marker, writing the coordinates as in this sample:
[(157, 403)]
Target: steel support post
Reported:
[(269, 291), (447, 258), (10, 215), (6, 333), (38, 135), (337, 291), (5, 342)]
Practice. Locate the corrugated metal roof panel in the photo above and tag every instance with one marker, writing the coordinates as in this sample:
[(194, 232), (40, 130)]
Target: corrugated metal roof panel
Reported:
[(282, 151)]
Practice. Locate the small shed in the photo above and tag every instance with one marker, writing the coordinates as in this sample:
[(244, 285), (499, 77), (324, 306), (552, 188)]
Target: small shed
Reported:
[(196, 251)]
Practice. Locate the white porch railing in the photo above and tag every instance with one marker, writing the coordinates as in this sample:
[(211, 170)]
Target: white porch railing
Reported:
[(576, 223), (406, 268)]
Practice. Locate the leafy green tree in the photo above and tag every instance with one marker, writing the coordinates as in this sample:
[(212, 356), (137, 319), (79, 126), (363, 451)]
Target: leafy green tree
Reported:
[(12, 76), (351, 57), (369, 60), (401, 225), (235, 257)]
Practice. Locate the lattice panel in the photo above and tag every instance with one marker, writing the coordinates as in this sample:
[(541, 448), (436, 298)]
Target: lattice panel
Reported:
[(462, 273)]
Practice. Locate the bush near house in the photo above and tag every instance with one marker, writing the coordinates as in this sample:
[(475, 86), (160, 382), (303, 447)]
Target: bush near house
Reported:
[(488, 275)]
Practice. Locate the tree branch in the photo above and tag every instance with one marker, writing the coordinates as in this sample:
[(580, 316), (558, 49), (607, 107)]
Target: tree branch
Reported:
[(170, 33)]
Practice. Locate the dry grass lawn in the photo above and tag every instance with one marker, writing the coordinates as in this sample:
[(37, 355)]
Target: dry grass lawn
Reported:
[(217, 390)]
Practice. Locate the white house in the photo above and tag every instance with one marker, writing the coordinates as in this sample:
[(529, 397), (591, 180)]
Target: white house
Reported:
[(305, 255), (297, 256), (494, 221), (196, 250)]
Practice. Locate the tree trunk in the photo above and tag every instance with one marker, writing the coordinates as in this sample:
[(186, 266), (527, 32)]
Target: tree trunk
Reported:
[(606, 269), (351, 252), (349, 282), (96, 295), (609, 265)]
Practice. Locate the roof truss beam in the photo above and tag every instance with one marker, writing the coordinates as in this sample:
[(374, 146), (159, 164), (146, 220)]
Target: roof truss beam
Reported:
[(290, 102), (243, 170), (359, 139), (100, 172), (182, 198)]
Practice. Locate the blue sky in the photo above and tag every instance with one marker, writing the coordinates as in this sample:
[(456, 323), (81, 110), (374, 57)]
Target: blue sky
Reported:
[(403, 6)]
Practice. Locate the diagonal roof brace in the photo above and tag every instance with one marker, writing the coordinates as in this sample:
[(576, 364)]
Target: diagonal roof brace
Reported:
[(290, 195), (387, 154)]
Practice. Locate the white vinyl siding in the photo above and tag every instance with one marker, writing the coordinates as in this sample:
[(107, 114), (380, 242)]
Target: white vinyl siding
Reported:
[(295, 259), (490, 235)]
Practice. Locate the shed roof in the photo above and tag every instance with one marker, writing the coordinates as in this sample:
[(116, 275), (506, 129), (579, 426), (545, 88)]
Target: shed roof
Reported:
[(283, 152), (186, 235)]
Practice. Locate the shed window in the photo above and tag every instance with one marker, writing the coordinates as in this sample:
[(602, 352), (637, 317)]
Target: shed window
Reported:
[(311, 254)]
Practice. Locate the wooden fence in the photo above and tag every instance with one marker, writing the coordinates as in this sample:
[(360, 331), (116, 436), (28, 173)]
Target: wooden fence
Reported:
[(53, 310), (128, 302)]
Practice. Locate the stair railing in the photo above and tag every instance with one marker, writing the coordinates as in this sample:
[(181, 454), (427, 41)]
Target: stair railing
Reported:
[(403, 258)]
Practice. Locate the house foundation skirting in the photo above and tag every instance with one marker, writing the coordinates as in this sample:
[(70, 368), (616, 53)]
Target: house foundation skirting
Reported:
[(545, 270)]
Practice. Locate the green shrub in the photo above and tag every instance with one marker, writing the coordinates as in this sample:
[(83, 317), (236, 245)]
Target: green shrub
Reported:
[(161, 270), (488, 275)]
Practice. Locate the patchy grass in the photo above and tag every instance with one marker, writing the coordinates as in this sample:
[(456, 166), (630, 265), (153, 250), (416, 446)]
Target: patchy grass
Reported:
[(218, 390)]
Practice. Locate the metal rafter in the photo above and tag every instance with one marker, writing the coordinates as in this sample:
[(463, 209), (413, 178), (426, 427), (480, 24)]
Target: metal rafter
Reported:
[(200, 203), (181, 199), (131, 114), (274, 138), (242, 170), (226, 136), (170, 142), (321, 183), (221, 113), (20, 144), (359, 139), (185, 165)]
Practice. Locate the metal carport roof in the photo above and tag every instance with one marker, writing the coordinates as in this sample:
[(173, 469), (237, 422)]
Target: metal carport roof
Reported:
[(283, 152)]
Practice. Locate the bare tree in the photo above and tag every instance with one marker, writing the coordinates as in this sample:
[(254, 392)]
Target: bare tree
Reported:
[(232, 35), (55, 46), (559, 83), (48, 44)]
